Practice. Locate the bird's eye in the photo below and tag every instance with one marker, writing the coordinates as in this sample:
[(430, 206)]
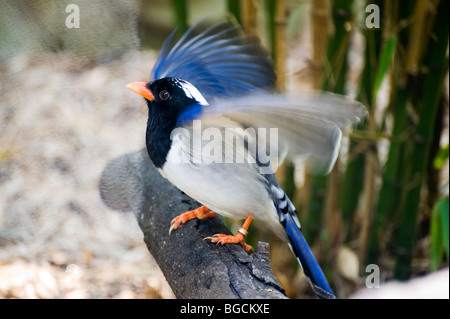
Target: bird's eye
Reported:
[(164, 95)]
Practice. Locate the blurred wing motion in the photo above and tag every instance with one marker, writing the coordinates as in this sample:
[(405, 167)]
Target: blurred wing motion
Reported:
[(308, 124), (218, 60)]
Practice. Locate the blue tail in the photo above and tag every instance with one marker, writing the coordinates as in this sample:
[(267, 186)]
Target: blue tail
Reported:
[(307, 260), (298, 244)]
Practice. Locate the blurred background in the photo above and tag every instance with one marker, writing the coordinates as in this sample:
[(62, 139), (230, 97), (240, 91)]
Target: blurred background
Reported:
[(65, 112)]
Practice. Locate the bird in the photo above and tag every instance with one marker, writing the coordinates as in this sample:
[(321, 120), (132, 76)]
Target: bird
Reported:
[(217, 129)]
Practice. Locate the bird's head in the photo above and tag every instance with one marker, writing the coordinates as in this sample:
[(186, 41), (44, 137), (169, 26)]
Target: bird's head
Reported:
[(169, 96)]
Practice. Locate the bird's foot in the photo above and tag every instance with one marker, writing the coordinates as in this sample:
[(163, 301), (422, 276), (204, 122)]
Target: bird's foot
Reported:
[(230, 239), (199, 213)]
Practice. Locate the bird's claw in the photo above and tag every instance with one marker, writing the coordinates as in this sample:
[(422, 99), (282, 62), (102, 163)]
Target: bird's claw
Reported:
[(200, 213), (230, 239), (174, 224), (181, 219)]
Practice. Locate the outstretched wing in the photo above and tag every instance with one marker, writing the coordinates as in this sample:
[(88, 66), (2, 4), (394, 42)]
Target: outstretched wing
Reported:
[(308, 124), (218, 60)]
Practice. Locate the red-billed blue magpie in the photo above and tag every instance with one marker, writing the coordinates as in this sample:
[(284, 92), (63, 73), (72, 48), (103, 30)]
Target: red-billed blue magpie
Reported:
[(214, 120)]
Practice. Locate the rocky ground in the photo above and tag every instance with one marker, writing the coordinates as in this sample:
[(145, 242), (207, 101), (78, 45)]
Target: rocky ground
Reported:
[(61, 121)]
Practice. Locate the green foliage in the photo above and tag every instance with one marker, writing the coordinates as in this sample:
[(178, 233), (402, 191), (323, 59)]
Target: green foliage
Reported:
[(417, 158), (386, 59), (181, 14), (441, 157), (439, 231), (234, 7)]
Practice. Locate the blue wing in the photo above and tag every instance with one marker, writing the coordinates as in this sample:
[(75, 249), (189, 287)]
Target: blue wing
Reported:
[(218, 60)]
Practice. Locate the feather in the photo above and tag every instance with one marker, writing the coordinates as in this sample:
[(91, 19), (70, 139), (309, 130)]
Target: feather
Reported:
[(219, 60), (306, 259), (308, 124)]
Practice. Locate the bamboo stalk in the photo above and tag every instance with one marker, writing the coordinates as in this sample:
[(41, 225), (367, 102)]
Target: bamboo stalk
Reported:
[(417, 38), (314, 189), (181, 14), (390, 194), (337, 47), (280, 44), (372, 234), (334, 80), (351, 187), (396, 177), (271, 9), (437, 64), (368, 199), (234, 7), (321, 29), (250, 17), (314, 206)]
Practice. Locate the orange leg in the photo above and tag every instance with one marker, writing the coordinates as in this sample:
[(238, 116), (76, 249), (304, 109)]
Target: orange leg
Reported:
[(199, 213), (236, 239)]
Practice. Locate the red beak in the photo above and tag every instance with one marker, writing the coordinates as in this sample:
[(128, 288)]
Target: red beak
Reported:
[(141, 89)]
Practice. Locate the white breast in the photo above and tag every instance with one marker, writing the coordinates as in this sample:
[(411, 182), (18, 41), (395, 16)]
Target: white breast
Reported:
[(234, 190)]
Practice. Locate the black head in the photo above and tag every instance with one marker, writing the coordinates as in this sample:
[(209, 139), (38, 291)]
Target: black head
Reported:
[(169, 96), (166, 99)]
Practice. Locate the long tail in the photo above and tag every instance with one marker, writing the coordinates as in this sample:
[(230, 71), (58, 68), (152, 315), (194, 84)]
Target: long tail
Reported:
[(307, 260), (299, 246)]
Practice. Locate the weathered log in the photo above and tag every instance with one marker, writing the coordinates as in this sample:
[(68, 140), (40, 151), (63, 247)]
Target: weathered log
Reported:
[(193, 267)]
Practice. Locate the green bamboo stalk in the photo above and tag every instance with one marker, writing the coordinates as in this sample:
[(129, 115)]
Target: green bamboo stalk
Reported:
[(391, 192), (390, 195), (388, 198), (395, 180), (181, 14), (353, 179), (337, 48), (321, 22), (352, 184), (312, 219), (280, 43), (439, 233), (234, 7), (323, 192), (271, 9), (437, 64), (334, 80)]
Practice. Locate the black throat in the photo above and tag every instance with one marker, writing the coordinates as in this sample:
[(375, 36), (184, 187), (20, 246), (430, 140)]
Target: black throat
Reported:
[(158, 139), (172, 101)]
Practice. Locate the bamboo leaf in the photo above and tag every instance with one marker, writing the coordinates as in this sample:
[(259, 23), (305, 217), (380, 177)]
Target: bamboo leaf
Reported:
[(441, 157), (444, 217), (439, 231), (386, 58), (436, 246)]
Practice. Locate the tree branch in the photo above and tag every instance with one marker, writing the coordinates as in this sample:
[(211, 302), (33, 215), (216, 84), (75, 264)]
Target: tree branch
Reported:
[(193, 267)]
